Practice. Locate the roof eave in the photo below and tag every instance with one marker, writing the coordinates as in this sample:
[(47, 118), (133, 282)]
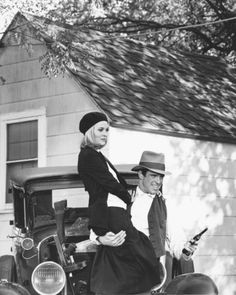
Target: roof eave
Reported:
[(219, 139)]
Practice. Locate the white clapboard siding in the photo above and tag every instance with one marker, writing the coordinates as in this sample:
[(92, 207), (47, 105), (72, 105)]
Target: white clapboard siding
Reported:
[(206, 166), (63, 160), (201, 191), (6, 230), (62, 144), (22, 71), (220, 265), (16, 54), (218, 245), (228, 205), (221, 269), (65, 123), (34, 89)]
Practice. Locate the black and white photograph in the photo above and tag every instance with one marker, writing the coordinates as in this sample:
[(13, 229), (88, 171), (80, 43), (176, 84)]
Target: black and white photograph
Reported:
[(117, 147)]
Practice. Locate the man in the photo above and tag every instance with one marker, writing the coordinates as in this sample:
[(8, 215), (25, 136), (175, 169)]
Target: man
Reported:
[(148, 210)]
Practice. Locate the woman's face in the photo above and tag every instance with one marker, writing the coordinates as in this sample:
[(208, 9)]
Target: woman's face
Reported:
[(101, 130)]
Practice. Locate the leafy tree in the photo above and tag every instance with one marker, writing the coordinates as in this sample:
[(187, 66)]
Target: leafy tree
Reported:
[(170, 23), (197, 26), (9, 8), (31, 6)]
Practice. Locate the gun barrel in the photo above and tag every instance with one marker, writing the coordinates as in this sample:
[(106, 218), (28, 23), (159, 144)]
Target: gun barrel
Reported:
[(200, 234)]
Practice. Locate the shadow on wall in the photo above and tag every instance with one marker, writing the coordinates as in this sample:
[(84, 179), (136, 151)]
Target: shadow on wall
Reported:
[(202, 192)]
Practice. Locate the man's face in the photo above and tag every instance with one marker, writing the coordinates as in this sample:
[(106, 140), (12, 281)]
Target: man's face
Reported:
[(151, 182)]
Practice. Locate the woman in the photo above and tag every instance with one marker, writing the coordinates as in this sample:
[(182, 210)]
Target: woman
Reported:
[(132, 267)]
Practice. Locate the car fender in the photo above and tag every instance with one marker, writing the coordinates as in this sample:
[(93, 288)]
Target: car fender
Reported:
[(7, 268), (9, 288), (192, 283)]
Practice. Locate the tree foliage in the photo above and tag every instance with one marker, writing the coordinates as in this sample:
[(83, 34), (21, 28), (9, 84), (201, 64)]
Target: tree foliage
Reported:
[(197, 26), (170, 23), (8, 8)]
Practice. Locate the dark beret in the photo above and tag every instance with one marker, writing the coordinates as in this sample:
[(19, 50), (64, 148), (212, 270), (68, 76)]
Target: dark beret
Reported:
[(91, 119)]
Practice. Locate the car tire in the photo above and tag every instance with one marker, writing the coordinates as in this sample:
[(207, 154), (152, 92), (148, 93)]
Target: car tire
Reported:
[(7, 268), (192, 283), (7, 288)]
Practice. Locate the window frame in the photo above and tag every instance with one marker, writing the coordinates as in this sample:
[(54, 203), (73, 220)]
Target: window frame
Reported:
[(40, 117)]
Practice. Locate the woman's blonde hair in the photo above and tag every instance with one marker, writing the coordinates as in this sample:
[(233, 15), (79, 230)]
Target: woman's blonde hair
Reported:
[(89, 139)]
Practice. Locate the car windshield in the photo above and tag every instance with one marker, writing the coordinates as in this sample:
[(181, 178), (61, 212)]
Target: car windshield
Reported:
[(43, 206)]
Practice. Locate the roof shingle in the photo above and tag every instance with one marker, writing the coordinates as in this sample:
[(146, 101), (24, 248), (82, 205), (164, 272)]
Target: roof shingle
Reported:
[(156, 89)]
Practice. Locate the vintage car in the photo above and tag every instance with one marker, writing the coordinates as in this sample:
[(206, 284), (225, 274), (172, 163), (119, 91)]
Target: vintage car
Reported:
[(52, 253), (51, 250)]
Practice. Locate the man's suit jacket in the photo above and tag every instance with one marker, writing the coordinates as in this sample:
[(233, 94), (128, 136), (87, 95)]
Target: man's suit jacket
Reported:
[(98, 181)]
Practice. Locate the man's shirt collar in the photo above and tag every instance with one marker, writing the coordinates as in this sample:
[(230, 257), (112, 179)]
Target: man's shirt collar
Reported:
[(139, 192)]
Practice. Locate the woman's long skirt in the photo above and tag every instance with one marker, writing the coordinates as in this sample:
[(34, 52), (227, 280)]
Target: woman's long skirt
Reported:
[(127, 269)]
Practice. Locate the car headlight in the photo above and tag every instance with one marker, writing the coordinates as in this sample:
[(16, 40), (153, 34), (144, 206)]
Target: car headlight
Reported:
[(27, 244), (48, 278)]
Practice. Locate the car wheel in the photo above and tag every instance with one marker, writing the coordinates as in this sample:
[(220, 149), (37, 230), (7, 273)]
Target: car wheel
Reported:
[(192, 283), (7, 288)]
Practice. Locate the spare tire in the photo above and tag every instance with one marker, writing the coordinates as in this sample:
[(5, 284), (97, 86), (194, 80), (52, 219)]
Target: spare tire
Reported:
[(7, 288), (192, 283)]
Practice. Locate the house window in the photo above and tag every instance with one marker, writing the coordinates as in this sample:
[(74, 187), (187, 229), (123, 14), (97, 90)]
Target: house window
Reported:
[(22, 148), (22, 145)]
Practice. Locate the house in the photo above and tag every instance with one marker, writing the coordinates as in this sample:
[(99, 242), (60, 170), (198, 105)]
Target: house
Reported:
[(157, 99)]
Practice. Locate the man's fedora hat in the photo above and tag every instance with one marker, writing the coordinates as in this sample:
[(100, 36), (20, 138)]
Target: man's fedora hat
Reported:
[(154, 162)]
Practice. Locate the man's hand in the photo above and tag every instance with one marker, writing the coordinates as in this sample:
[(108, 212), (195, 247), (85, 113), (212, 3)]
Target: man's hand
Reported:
[(191, 248), (113, 240)]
